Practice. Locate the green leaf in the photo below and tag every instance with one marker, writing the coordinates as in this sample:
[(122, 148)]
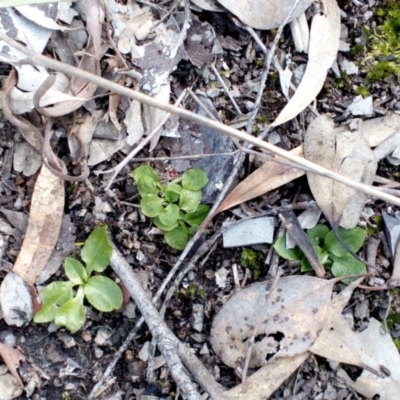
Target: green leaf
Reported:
[(169, 215), (354, 238), (146, 185), (288, 254), (75, 271), (103, 293), (172, 192), (189, 200), (317, 234), (72, 313), (322, 255), (97, 251), (177, 238), (194, 179), (151, 205), (347, 265), (53, 295), (160, 225), (195, 218), (144, 170)]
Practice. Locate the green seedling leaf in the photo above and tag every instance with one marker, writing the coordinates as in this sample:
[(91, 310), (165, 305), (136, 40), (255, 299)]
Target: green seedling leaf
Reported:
[(97, 251), (354, 238), (151, 205), (72, 313), (75, 271), (347, 265), (189, 200), (172, 192), (103, 293), (144, 170), (146, 185), (177, 238), (317, 234), (323, 258), (165, 228), (194, 179), (195, 218), (53, 295), (169, 215), (287, 254)]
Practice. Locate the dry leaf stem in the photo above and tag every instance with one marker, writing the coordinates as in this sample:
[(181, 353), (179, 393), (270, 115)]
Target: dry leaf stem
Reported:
[(37, 59)]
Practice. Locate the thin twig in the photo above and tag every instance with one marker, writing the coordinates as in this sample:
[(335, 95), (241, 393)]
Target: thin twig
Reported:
[(37, 59)]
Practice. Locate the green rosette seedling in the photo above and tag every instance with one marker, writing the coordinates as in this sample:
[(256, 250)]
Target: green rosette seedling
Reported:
[(175, 207), (66, 308), (329, 250)]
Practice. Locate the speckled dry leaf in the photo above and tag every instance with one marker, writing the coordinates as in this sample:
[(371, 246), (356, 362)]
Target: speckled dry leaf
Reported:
[(324, 45), (381, 346), (261, 14), (261, 384), (43, 227), (295, 315), (268, 177), (344, 152)]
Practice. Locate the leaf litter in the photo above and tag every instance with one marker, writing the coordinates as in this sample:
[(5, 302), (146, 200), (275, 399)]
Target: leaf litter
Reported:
[(285, 352)]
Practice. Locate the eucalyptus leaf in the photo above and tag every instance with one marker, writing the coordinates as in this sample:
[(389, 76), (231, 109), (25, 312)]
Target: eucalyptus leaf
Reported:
[(354, 238), (195, 218), (53, 295), (189, 200), (103, 293), (288, 254), (146, 185), (75, 271), (169, 215), (194, 179), (172, 192), (97, 251), (162, 226), (72, 313), (144, 170), (347, 265), (151, 205), (177, 238)]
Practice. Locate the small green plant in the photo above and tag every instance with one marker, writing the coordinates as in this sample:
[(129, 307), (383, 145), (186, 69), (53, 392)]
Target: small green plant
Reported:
[(59, 303), (174, 208), (253, 260), (330, 252)]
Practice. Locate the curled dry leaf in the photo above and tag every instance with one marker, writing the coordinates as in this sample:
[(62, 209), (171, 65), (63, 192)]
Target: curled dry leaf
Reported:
[(45, 218), (268, 177), (262, 14), (324, 45), (291, 322), (344, 152), (12, 358)]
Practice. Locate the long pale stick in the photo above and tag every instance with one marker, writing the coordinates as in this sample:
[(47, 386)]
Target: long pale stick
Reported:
[(37, 59)]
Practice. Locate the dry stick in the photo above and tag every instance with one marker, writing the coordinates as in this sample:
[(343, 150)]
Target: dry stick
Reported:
[(167, 342), (37, 59), (203, 248)]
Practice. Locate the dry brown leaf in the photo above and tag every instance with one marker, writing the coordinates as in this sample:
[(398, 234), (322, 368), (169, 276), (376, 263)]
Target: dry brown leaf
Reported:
[(324, 45), (45, 218), (261, 14), (268, 177), (292, 321), (94, 23), (344, 152), (11, 358), (385, 354)]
